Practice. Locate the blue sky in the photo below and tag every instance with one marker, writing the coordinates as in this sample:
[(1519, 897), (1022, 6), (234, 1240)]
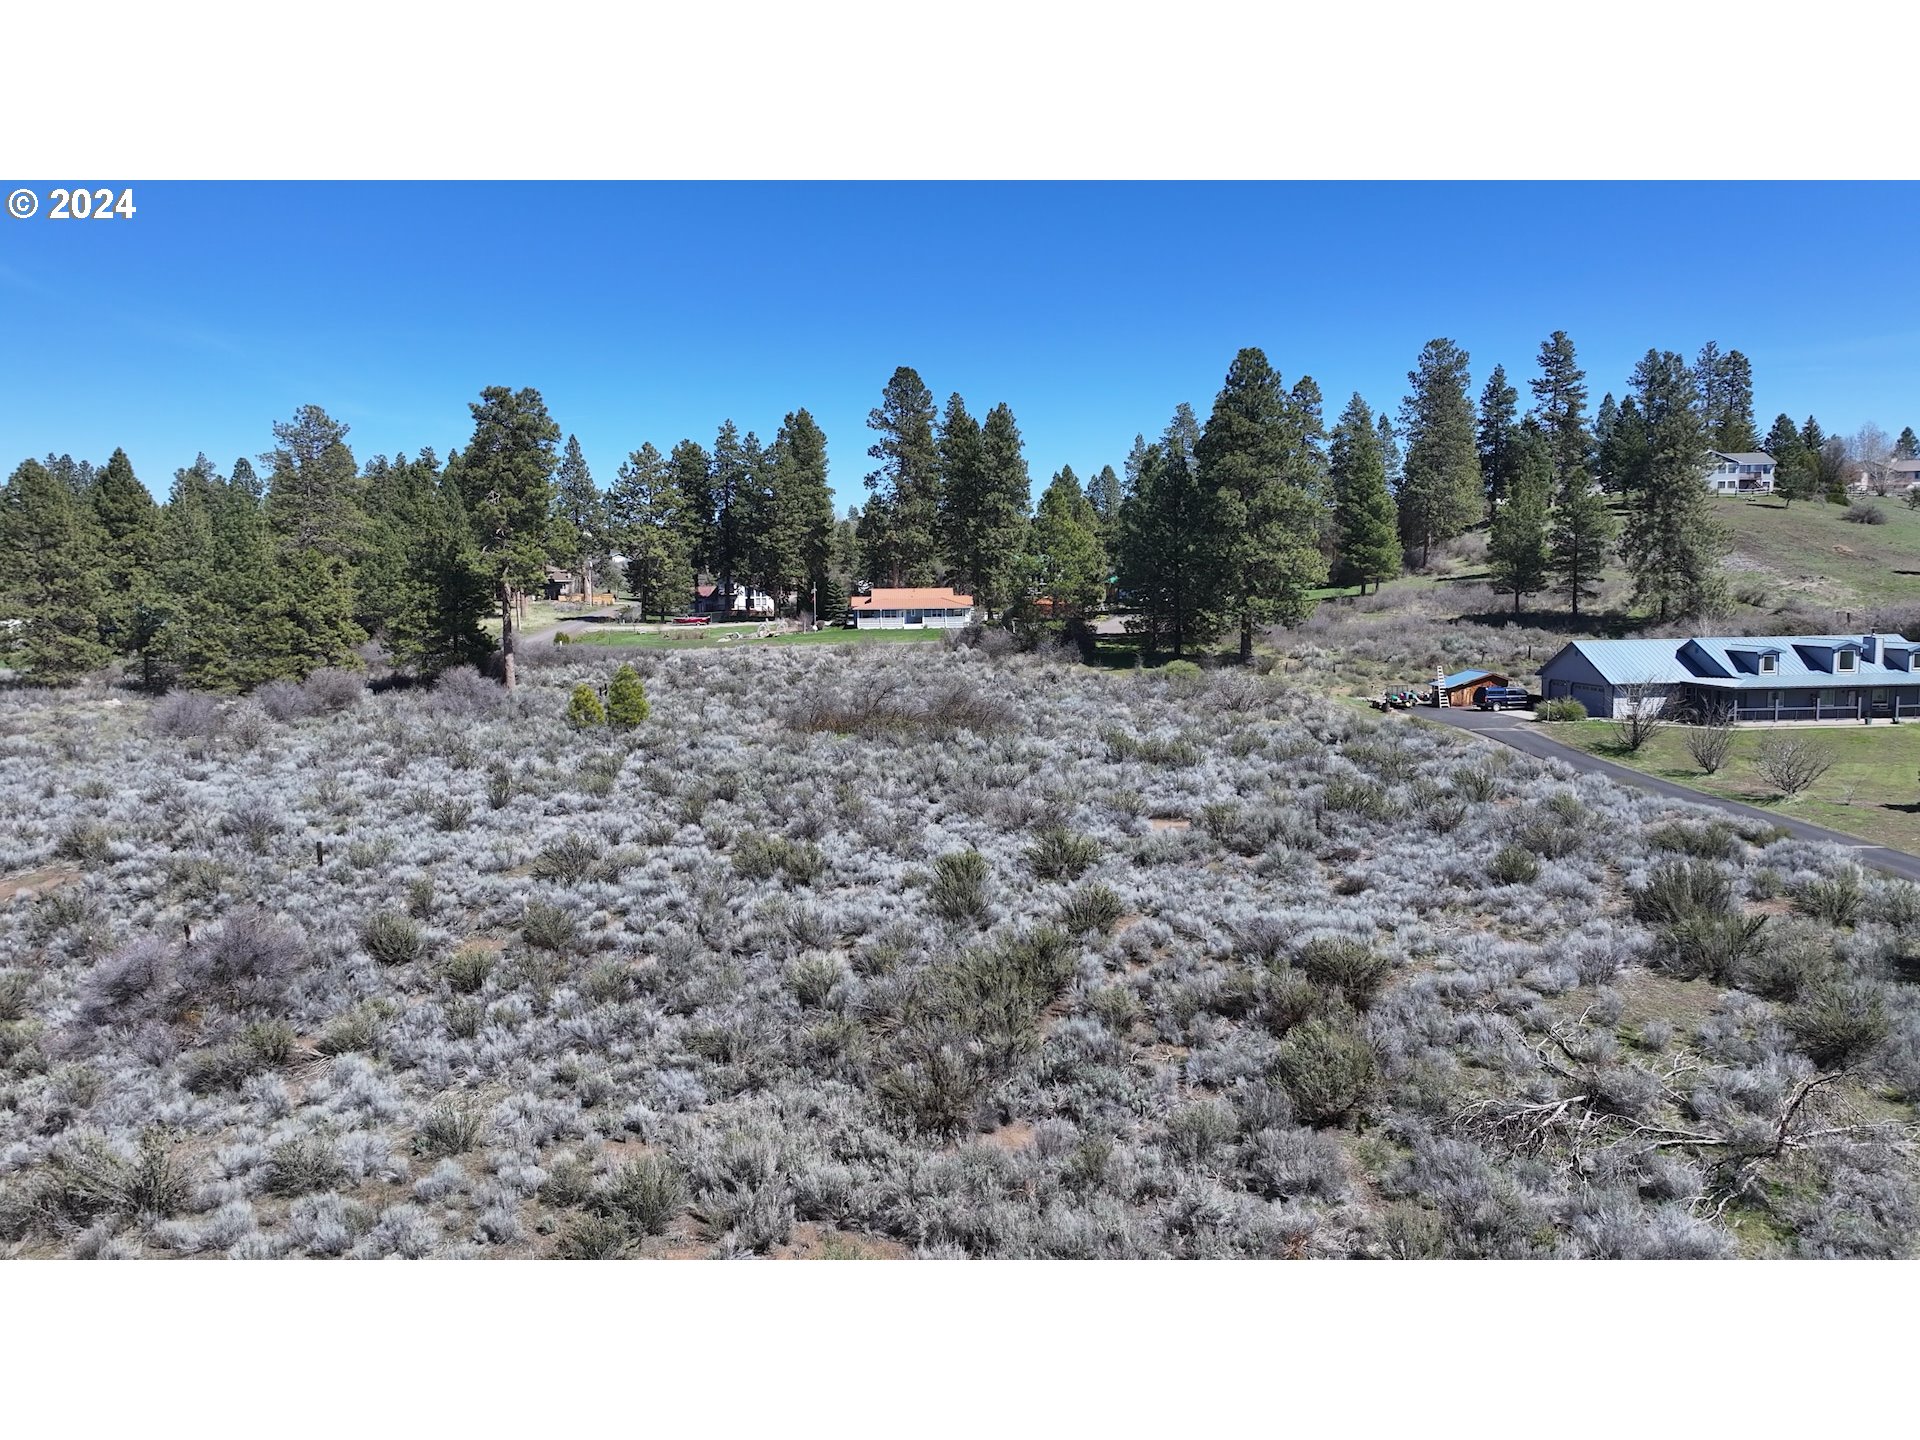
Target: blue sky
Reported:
[(655, 311)]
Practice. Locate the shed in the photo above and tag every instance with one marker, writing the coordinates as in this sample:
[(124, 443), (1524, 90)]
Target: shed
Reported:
[(1461, 689)]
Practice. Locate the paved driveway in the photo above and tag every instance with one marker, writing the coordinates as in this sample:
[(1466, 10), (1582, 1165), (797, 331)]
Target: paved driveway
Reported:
[(1509, 728)]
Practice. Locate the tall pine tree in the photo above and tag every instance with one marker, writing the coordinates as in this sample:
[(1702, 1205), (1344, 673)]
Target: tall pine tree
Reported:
[(1063, 559), (1259, 461), (505, 479), (649, 522), (53, 588), (1170, 550), (1673, 543), (901, 522), (579, 518), (1519, 551), (1366, 537), (1499, 413), (1440, 485)]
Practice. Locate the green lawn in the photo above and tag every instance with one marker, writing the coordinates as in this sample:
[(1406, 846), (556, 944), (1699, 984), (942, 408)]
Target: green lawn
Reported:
[(702, 637), (1871, 791)]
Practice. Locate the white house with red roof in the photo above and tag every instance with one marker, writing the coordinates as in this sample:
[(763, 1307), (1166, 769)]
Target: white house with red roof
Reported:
[(911, 609)]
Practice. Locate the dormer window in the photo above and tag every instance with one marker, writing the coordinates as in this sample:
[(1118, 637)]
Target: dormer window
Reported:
[(1768, 664), (1845, 661)]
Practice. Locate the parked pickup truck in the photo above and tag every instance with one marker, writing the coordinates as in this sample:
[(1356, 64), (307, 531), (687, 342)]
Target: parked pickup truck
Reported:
[(1501, 697)]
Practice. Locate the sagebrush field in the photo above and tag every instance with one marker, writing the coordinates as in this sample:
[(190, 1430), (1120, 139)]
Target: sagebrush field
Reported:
[(932, 951)]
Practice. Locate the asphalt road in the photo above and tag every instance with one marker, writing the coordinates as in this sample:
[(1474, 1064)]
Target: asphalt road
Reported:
[(1509, 728)]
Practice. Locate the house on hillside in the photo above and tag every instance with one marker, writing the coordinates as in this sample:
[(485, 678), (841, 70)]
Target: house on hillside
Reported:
[(564, 585), (911, 609), (1743, 472), (743, 603), (1769, 677), (1901, 476)]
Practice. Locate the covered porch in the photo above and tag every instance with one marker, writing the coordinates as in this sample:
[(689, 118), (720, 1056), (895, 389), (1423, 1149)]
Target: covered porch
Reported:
[(1840, 702)]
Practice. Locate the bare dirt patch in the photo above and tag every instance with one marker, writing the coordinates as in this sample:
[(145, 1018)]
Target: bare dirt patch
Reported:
[(1169, 822), (39, 882)]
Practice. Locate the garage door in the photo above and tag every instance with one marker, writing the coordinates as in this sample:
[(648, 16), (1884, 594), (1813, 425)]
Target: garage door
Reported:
[(1594, 697)]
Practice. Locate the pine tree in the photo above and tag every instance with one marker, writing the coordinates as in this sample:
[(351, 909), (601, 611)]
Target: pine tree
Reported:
[(962, 532), (315, 508), (1796, 473), (1499, 412), (802, 505), (1580, 538), (1260, 465), (134, 606), (733, 477), (1723, 381), (1673, 543), (1560, 405), (505, 478), (1812, 436), (436, 595), (691, 470), (1366, 536), (579, 516), (1390, 457), (627, 699), (1169, 552), (1103, 493), (1000, 519), (1605, 419), (1064, 559), (1519, 549), (53, 588), (1836, 469), (1440, 485), (1907, 447), (648, 523), (313, 494), (901, 525)]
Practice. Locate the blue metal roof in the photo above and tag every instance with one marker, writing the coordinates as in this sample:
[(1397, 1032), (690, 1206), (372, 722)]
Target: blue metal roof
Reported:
[(1464, 677), (1733, 662)]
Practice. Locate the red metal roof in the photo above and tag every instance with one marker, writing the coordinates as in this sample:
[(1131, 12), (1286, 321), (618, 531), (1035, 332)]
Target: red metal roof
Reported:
[(924, 598)]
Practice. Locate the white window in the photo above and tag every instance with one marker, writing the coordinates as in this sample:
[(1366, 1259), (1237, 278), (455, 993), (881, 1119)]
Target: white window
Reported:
[(1844, 660), (1767, 664)]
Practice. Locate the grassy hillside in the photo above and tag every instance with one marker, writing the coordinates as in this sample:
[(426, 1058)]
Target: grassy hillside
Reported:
[(1809, 553)]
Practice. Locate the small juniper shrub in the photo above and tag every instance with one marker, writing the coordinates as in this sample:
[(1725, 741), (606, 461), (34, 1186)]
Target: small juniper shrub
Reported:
[(584, 710), (627, 705)]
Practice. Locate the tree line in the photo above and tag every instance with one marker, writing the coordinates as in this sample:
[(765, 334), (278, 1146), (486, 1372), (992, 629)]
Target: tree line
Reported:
[(1217, 528), (239, 579)]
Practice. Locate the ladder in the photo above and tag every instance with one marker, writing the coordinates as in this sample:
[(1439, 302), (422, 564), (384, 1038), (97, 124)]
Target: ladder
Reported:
[(1440, 697)]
